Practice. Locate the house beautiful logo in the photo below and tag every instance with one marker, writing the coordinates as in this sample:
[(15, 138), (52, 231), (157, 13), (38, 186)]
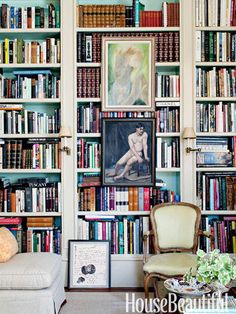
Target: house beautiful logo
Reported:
[(171, 304)]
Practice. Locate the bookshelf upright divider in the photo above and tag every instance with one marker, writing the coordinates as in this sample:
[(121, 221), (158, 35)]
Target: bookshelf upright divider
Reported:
[(109, 212)]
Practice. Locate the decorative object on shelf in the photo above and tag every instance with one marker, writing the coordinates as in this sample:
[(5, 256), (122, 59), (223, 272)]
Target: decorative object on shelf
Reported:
[(215, 269), (65, 133), (128, 152), (188, 134), (184, 288), (128, 74), (89, 264)]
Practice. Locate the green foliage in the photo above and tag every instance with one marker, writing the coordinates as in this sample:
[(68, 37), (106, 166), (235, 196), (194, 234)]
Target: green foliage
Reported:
[(213, 267)]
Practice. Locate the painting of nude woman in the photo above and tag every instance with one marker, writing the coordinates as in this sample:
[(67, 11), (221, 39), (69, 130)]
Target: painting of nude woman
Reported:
[(127, 74), (128, 152)]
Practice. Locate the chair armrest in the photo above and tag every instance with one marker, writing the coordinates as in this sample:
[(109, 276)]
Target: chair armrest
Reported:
[(146, 235)]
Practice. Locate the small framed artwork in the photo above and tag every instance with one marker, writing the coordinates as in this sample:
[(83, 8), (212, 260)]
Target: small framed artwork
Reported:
[(128, 152), (128, 68), (89, 264)]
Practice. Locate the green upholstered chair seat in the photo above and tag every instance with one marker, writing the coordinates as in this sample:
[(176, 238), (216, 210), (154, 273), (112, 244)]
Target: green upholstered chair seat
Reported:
[(170, 264)]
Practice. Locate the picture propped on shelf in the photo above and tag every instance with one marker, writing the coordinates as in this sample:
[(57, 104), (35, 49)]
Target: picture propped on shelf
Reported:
[(128, 74), (89, 264), (128, 147)]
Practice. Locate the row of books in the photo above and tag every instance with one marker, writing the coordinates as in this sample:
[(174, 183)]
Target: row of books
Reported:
[(224, 232), (14, 119), (46, 230), (125, 233), (215, 46), (219, 117), (29, 17), (34, 234), (30, 84), (167, 119), (168, 155), (89, 117), (100, 15), (168, 16), (122, 198), (44, 240), (216, 82), (167, 85), (88, 82), (216, 191), (166, 45), (30, 195), (30, 154), (28, 51), (127, 16), (215, 151), (88, 154), (215, 13)]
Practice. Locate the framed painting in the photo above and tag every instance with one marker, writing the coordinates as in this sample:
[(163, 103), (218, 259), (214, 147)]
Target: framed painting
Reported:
[(128, 152), (89, 264), (128, 68)]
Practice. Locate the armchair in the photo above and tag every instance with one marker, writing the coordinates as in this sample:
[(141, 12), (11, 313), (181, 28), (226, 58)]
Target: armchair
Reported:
[(175, 231)]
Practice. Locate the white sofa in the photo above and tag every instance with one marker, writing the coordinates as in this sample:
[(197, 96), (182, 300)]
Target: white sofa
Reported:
[(32, 283)]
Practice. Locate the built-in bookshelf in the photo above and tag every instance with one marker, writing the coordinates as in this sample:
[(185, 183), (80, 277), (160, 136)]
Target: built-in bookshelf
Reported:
[(30, 120), (124, 211), (215, 75)]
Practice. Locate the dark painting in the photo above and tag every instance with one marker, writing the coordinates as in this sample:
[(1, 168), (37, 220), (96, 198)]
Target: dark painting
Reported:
[(128, 152)]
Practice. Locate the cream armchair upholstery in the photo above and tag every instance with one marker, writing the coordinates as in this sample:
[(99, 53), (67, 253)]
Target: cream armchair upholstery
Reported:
[(175, 230)]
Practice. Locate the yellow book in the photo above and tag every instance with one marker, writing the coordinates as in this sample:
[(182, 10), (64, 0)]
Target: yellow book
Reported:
[(234, 236), (6, 50)]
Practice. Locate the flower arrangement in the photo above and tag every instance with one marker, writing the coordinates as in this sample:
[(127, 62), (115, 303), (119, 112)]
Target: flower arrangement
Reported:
[(213, 268)]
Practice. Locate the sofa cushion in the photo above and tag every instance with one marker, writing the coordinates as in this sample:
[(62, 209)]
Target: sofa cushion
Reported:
[(8, 245), (30, 271)]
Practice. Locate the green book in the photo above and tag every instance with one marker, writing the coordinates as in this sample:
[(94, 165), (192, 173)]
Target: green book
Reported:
[(58, 20)]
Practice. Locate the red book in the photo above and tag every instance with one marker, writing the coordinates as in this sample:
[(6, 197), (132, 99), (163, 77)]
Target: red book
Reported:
[(146, 199), (234, 151), (10, 221)]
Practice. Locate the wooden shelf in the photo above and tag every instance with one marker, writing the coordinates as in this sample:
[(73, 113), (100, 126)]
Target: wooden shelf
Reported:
[(126, 29), (28, 65), (30, 171), (88, 134), (216, 169), (215, 64), (166, 134), (161, 104), (231, 99), (30, 30), (81, 170), (216, 28), (98, 64), (29, 135), (88, 99), (167, 99), (167, 64), (88, 64), (219, 212), (167, 169), (113, 213), (208, 134), (30, 100), (30, 214)]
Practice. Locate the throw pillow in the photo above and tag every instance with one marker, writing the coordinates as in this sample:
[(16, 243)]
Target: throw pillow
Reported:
[(8, 245)]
